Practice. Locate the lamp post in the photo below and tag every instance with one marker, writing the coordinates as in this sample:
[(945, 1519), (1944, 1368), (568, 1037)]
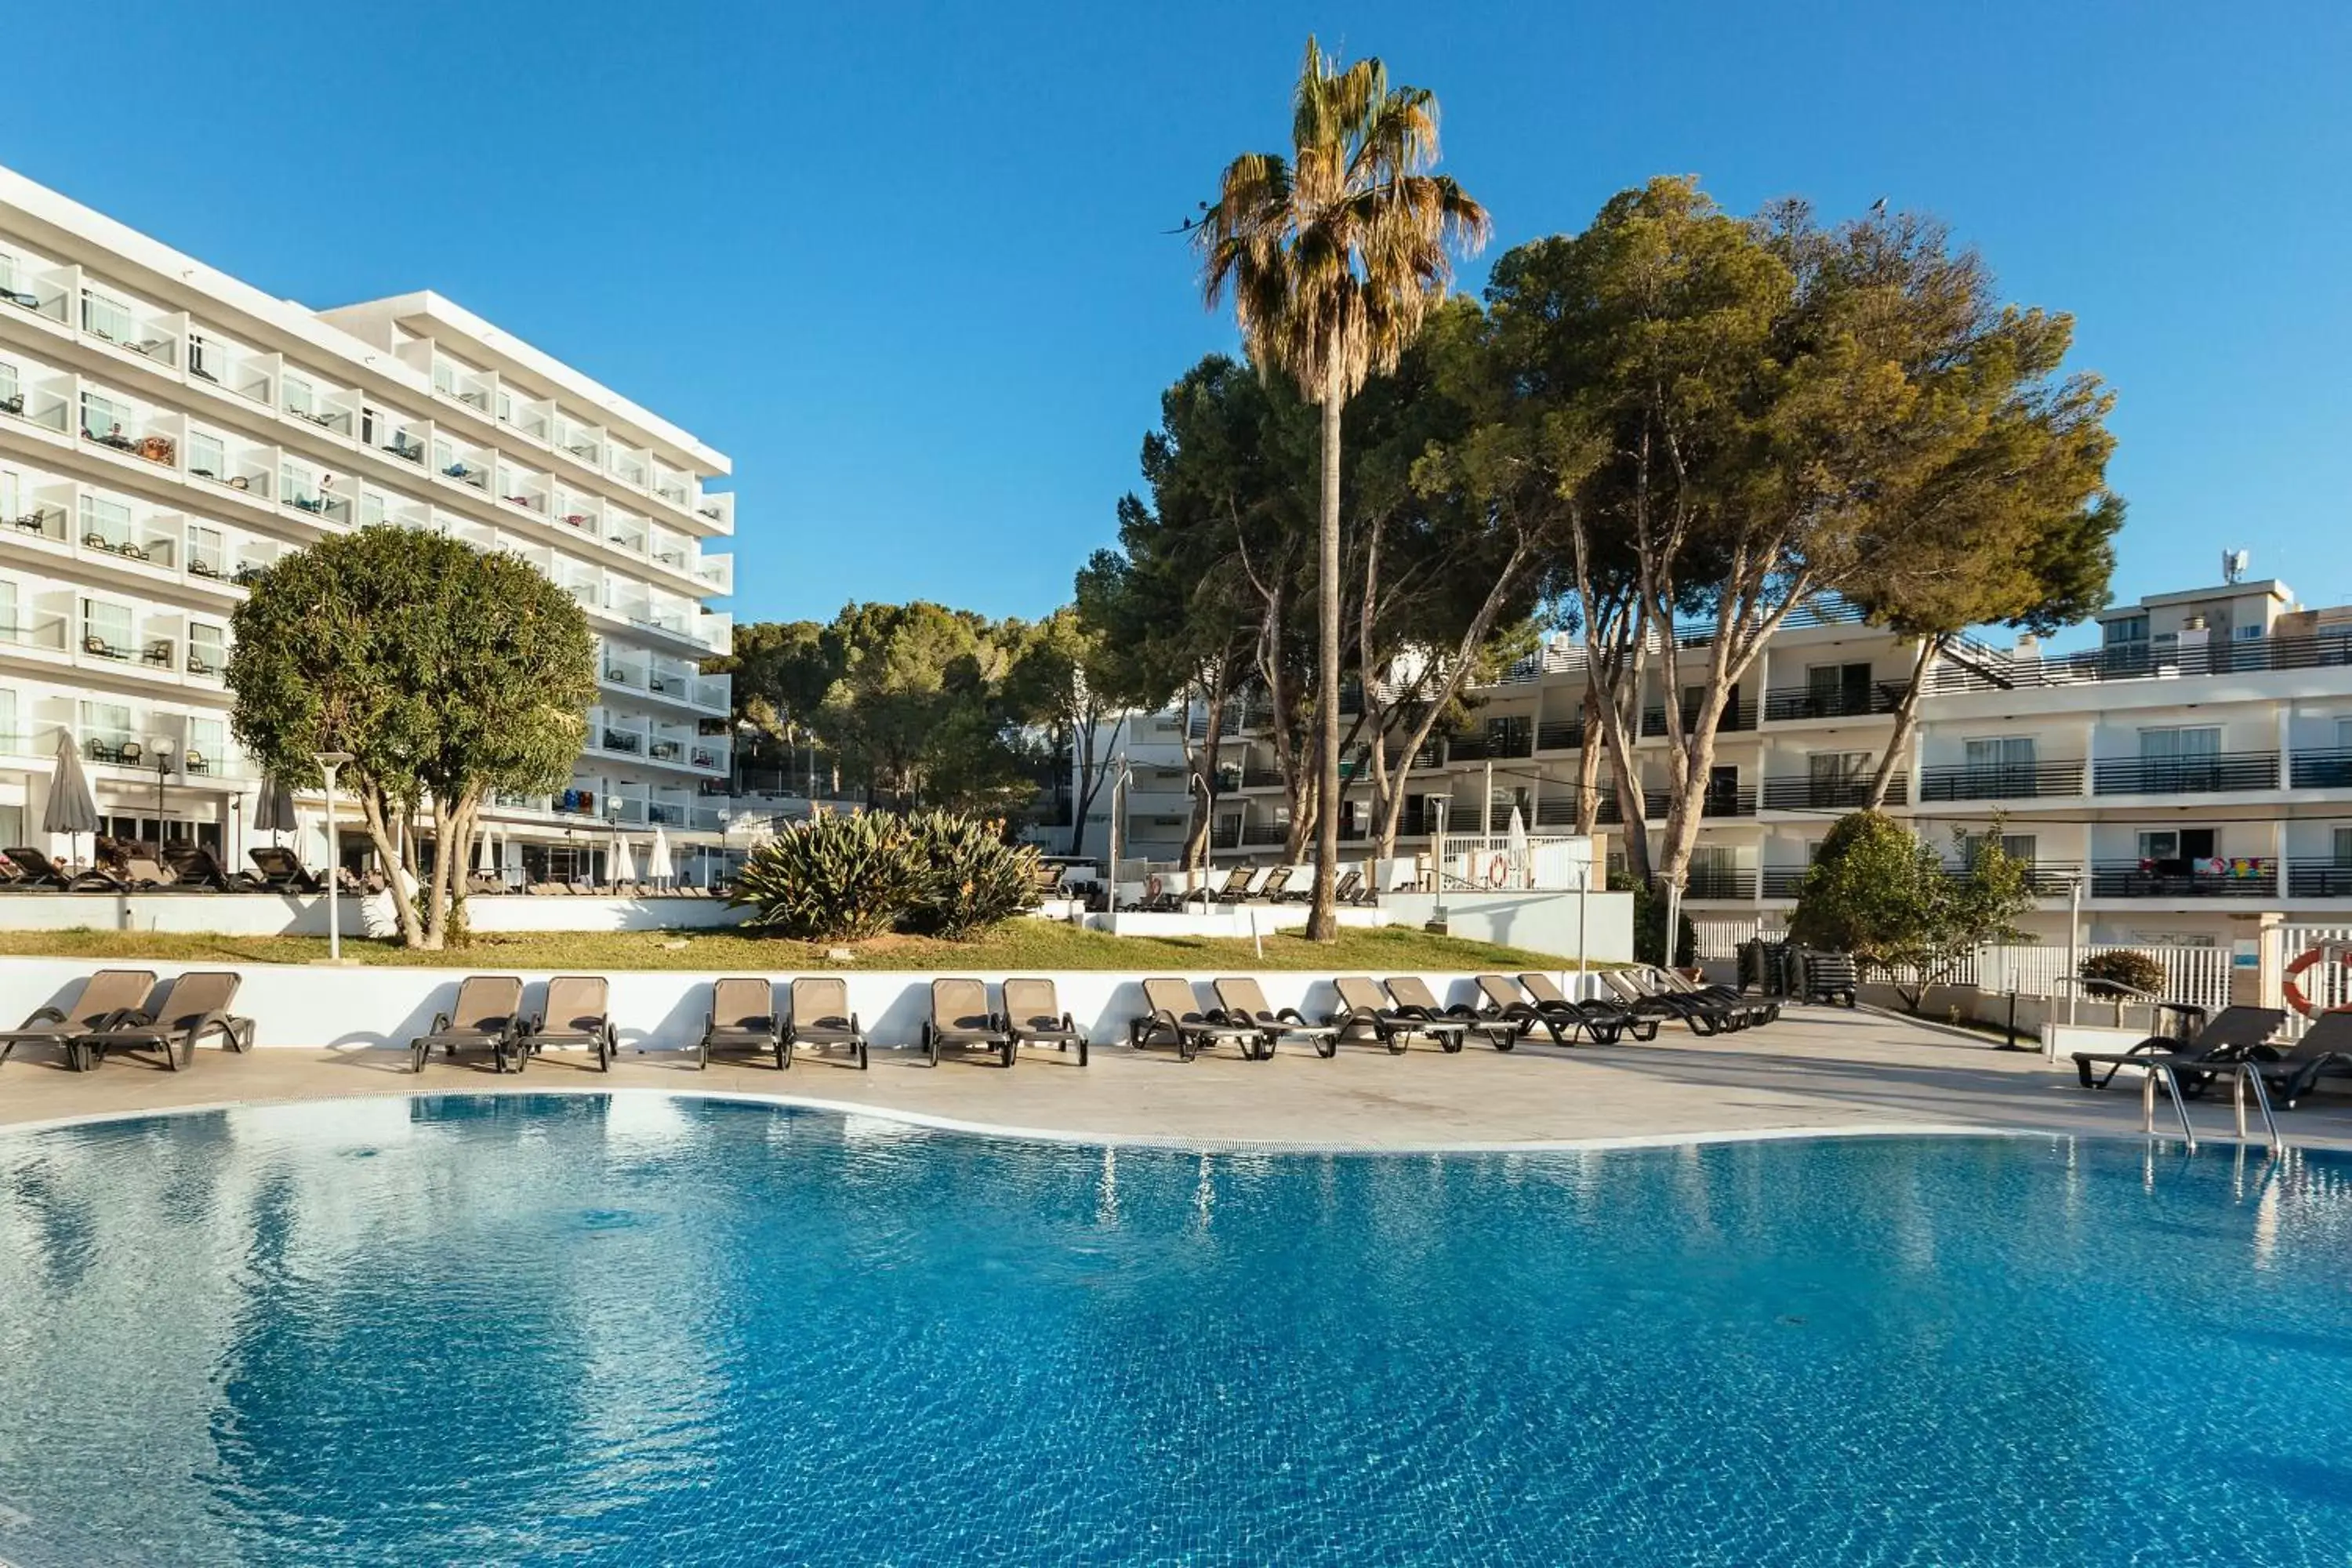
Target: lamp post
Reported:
[(724, 818), (235, 828), (329, 761), (162, 746)]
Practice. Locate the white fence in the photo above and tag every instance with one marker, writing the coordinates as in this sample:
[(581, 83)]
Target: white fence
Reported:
[(1549, 864), (2325, 982)]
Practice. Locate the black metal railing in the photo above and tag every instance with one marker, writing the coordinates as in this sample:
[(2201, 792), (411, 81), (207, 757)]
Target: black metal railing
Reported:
[(1796, 702), (2214, 774), (2001, 781), (2319, 881), (1560, 735), (1719, 802), (2146, 661), (2320, 770), (1714, 883), (1225, 836), (1781, 881), (2242, 878), (2046, 879), (1829, 794), (1737, 717), (1260, 778), (1258, 833), (1494, 745)]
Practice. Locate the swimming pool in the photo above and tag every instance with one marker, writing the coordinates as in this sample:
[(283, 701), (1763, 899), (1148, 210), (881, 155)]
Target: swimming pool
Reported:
[(634, 1327)]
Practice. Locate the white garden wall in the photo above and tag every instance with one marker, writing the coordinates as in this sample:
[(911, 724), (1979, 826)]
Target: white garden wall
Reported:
[(271, 914), (360, 1005), (1540, 922)]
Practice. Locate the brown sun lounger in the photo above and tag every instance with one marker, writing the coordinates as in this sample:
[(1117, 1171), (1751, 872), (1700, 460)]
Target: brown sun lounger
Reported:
[(743, 1021), (1414, 999), (821, 1017), (484, 1018), (1174, 1017), (576, 1012), (1365, 1008), (195, 1005), (1241, 1000), (106, 998), (961, 1020), (1034, 1016)]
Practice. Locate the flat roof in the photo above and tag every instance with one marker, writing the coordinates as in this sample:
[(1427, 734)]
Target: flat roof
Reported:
[(2262, 586)]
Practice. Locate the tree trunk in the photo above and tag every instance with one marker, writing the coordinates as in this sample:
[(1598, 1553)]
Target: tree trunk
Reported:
[(1323, 914), (1907, 718), (1588, 765), (1204, 772), (375, 810), (1090, 778)]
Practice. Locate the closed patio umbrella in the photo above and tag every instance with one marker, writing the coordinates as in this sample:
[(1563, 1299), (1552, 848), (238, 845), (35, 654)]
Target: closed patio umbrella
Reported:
[(72, 808), (273, 813), (624, 864), (1515, 841), (658, 868)]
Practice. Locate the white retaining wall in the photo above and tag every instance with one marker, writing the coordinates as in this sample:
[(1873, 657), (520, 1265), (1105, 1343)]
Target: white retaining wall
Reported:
[(1540, 922), (272, 914), (368, 1005)]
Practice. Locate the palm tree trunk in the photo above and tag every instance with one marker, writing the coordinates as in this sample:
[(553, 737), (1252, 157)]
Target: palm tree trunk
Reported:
[(1323, 915)]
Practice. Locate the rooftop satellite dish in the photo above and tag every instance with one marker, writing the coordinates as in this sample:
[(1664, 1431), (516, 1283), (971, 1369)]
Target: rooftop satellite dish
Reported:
[(2234, 564)]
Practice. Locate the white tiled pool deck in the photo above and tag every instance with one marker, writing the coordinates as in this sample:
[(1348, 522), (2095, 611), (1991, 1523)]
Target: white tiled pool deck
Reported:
[(1816, 1070)]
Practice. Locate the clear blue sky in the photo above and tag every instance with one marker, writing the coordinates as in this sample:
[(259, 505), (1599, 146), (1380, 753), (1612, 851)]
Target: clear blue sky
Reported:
[(905, 263)]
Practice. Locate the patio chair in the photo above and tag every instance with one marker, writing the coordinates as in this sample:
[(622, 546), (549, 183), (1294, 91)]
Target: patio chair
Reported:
[(961, 1020), (743, 1020), (1663, 982), (2229, 1035), (821, 1017), (1230, 891), (1702, 1018), (105, 997), (1412, 995), (1829, 977), (576, 1012), (41, 870), (2325, 1051), (195, 1005), (483, 1018), (1033, 1016), (198, 867), (1274, 889), (280, 870), (1241, 1000), (1174, 1017), (1605, 1023), (1365, 1008)]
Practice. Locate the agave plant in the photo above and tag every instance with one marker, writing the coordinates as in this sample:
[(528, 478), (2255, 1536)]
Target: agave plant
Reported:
[(834, 878), (973, 877)]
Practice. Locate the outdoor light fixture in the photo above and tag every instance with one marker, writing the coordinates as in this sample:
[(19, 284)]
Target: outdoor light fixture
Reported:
[(328, 762), (162, 746)]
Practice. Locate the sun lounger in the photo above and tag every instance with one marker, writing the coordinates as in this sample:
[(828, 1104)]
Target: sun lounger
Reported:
[(1412, 995), (961, 1020), (1829, 977), (195, 1007), (1702, 1018), (483, 885), (2325, 1051), (743, 1021), (576, 1012), (1241, 1000), (142, 874), (2231, 1034), (821, 1018), (1506, 1001), (41, 870), (1034, 1016), (1605, 1023), (105, 998), (483, 1018), (1760, 1009), (198, 868), (1274, 889), (281, 872), (1230, 891), (1366, 1008), (1174, 1017)]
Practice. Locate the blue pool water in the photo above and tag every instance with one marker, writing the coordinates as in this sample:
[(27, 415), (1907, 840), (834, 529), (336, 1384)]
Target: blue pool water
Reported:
[(584, 1330)]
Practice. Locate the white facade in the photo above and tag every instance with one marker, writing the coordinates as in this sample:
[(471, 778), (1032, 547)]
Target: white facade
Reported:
[(166, 430), (2193, 774)]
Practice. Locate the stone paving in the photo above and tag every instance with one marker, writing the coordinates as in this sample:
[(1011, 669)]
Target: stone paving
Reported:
[(1817, 1069)]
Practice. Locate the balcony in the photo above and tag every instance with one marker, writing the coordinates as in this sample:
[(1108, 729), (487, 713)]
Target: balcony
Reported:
[(1737, 717), (1828, 794), (1495, 744), (2005, 781), (123, 432), (2044, 879), (207, 661), (1560, 735), (2218, 774), (44, 633), (1782, 882), (143, 332), (1723, 883), (108, 641), (40, 296), (37, 403), (2321, 770), (1798, 703), (2319, 881), (1225, 836), (40, 522), (2240, 877), (1258, 778), (1262, 834), (2147, 661), (628, 743)]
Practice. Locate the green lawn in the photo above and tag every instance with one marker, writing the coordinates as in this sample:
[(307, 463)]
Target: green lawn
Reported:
[(1016, 945)]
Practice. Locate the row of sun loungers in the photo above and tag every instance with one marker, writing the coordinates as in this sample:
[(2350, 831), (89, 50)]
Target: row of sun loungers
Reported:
[(1256, 885), (123, 1010), (2233, 1041), (173, 868)]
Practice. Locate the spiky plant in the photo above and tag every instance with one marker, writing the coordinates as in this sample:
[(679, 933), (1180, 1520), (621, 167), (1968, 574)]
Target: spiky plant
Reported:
[(973, 878), (833, 878), (1333, 256)]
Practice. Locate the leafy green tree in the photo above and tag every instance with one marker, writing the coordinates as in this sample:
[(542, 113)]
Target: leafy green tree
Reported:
[(1878, 892), (448, 673), (1333, 256), (1067, 682), (915, 714)]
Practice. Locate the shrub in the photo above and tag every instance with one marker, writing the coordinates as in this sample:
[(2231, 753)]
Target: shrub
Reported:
[(833, 878), (1650, 925), (2140, 971), (972, 876), (1877, 892)]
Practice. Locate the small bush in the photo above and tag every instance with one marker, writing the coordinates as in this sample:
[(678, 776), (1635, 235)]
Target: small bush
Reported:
[(833, 878), (2140, 971), (1650, 925), (972, 876)]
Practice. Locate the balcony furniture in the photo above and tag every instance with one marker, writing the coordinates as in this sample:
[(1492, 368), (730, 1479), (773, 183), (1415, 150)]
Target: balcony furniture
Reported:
[(114, 438), (702, 759), (2218, 773), (14, 297), (2207, 877), (101, 647), (194, 762), (239, 483), (664, 750), (245, 574), (199, 567), (31, 522), (201, 373), (157, 449), (97, 541), (158, 652), (13, 404), (459, 471), (412, 451)]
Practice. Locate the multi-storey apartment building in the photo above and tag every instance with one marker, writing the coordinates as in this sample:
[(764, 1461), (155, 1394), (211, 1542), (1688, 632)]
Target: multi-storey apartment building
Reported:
[(2188, 780), (166, 431)]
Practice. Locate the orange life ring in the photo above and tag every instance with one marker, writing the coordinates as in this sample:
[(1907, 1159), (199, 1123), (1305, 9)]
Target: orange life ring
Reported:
[(1499, 869), (2310, 958)]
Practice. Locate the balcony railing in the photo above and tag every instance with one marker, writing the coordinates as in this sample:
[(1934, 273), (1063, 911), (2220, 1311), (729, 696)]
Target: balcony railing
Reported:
[(1560, 735), (1494, 744), (40, 522), (2046, 878), (1829, 794), (626, 740), (2319, 881), (1718, 883), (2144, 661), (2218, 878), (1737, 717), (2320, 770), (1782, 882), (1801, 702), (1265, 833), (2002, 781), (2214, 774)]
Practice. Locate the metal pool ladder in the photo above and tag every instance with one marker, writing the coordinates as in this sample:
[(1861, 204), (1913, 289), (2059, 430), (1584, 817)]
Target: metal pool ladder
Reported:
[(2241, 1073)]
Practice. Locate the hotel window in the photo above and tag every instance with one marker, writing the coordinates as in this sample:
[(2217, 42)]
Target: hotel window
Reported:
[(8, 512), (8, 624), (209, 643), (2000, 753), (107, 723), (12, 394), (2343, 726), (102, 414), (299, 399), (107, 318), (200, 359), (2016, 845), (2179, 745), (2342, 843), (106, 628), (2177, 843), (105, 521), (2127, 630), (206, 458), (204, 550), (370, 508), (205, 740), (9, 737)]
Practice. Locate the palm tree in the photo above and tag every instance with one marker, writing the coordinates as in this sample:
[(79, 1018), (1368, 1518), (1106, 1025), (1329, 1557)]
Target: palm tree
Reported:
[(1333, 257)]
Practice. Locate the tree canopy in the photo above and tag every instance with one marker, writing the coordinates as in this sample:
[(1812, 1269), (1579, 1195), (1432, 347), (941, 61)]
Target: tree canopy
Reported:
[(447, 672), (1880, 893)]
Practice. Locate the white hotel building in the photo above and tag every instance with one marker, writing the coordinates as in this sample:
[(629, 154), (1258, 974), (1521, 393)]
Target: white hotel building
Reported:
[(166, 430), (2191, 776)]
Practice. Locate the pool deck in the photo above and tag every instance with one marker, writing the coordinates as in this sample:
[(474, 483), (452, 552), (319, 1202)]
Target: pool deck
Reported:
[(1816, 1070)]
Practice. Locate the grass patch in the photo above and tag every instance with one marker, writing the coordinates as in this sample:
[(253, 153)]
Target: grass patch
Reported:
[(1016, 945)]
